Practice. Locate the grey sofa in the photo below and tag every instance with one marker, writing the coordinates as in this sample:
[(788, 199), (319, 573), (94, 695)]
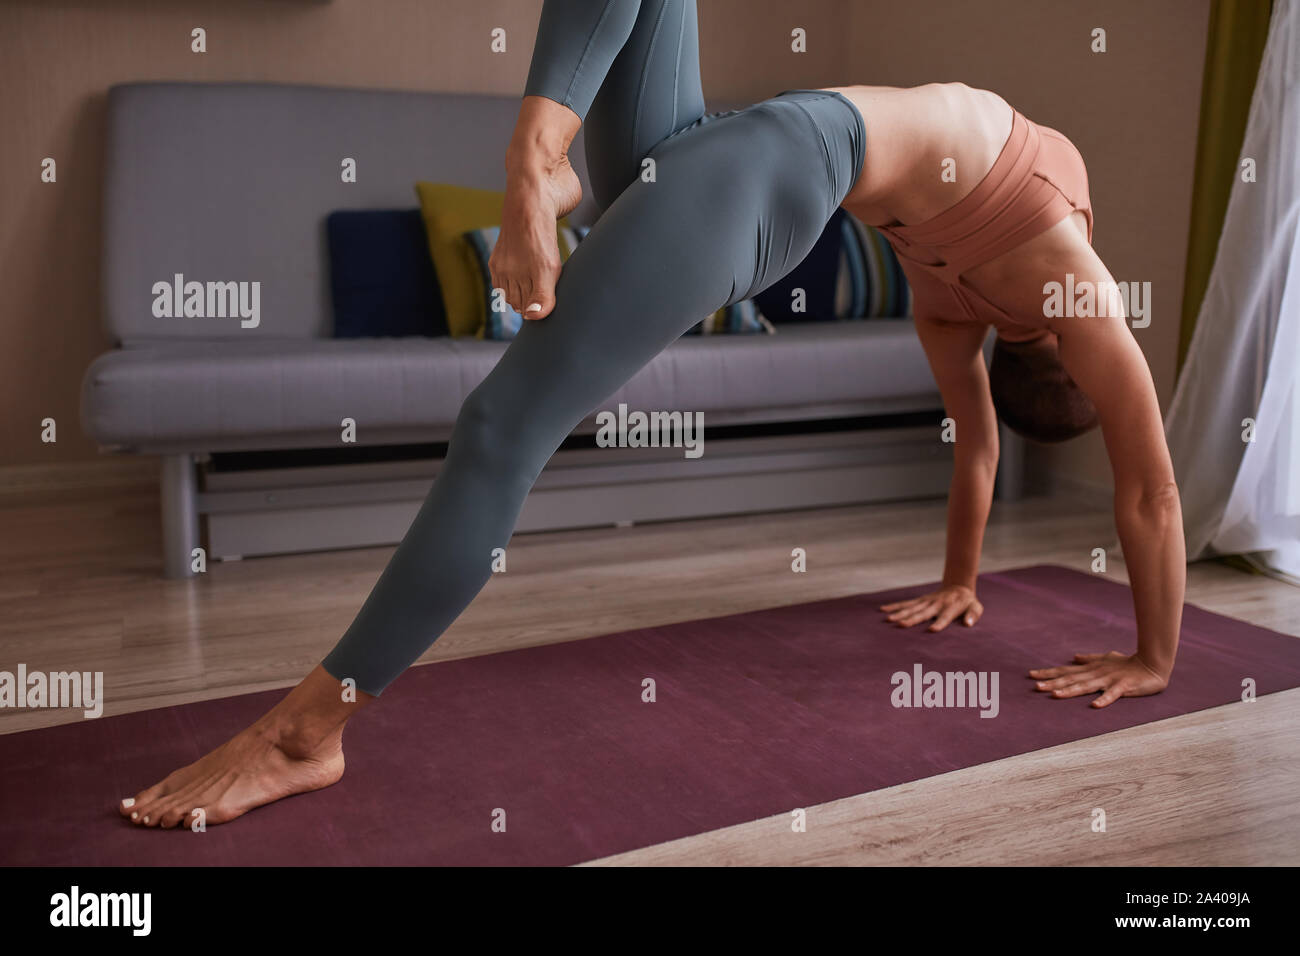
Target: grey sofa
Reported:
[(232, 182)]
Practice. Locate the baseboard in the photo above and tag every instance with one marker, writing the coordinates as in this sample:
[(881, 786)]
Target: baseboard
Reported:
[(20, 483)]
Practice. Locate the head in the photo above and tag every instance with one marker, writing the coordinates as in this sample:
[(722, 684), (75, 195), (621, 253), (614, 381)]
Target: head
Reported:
[(1034, 395)]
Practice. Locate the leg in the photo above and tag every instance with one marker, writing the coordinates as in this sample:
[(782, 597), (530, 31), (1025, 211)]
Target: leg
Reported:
[(737, 203), (180, 517), (630, 70), (652, 90)]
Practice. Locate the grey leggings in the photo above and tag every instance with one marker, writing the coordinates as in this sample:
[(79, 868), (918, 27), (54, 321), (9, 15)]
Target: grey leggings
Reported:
[(738, 198)]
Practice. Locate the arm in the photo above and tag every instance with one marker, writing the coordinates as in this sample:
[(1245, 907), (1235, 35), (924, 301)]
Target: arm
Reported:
[(955, 353), (1104, 360)]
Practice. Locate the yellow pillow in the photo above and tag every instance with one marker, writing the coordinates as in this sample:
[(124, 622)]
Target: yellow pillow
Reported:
[(449, 212)]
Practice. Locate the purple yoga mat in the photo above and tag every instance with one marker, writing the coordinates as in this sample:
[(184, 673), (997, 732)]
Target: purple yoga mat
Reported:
[(756, 714)]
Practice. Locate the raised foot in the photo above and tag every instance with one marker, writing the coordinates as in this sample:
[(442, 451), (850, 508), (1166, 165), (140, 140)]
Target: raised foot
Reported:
[(525, 262), (254, 768)]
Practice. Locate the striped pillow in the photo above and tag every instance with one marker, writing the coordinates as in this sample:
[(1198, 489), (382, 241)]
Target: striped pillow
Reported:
[(870, 283), (850, 273)]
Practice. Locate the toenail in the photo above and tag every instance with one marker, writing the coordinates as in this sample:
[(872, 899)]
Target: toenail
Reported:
[(134, 815), (129, 802), (146, 819)]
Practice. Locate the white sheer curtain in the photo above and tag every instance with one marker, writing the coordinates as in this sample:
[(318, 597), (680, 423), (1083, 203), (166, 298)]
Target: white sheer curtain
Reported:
[(1243, 497)]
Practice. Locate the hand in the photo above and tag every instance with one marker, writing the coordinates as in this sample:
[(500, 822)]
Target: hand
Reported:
[(944, 605), (1116, 675), (525, 262)]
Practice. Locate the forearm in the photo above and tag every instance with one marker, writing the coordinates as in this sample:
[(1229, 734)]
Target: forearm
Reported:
[(1151, 533), (970, 496)]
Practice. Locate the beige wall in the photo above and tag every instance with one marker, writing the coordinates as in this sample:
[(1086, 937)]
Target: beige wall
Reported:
[(1132, 111)]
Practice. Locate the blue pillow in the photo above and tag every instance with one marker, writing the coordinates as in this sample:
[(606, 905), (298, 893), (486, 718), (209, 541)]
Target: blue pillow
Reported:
[(816, 275), (850, 273), (381, 275)]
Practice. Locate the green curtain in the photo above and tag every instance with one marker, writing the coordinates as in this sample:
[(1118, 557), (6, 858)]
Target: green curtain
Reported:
[(1233, 50)]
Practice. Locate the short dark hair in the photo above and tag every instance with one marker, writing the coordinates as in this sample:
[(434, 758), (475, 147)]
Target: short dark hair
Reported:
[(1034, 395)]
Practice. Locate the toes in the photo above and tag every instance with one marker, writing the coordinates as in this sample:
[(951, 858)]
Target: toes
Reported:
[(176, 814), (175, 809), (153, 794), (147, 813), (142, 800), (223, 811)]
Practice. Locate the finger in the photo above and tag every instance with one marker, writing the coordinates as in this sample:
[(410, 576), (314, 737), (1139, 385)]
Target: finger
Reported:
[(946, 616), (916, 616), (907, 607), (1044, 673), (1086, 686), (896, 605), (1065, 680), (1110, 695), (973, 614)]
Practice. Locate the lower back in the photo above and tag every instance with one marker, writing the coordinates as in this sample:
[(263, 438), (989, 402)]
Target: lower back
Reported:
[(926, 148)]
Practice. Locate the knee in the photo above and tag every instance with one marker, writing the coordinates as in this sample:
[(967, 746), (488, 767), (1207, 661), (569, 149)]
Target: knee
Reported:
[(480, 426), (489, 435)]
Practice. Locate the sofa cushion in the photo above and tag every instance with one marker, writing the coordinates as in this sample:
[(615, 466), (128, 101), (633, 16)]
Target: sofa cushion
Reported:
[(202, 393)]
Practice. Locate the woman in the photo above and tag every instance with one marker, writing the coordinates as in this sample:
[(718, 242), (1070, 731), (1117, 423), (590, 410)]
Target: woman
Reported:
[(730, 202)]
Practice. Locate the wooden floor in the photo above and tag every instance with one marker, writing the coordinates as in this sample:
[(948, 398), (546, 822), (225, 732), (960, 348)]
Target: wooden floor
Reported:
[(79, 588)]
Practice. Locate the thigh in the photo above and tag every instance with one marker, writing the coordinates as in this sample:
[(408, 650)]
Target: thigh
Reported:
[(714, 227), (651, 91)]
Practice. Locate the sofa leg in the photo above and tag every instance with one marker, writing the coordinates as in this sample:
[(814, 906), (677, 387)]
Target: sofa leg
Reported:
[(180, 516), (1011, 465)]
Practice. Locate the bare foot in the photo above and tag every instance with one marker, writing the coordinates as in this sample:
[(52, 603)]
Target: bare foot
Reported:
[(250, 770), (295, 748), (525, 262)]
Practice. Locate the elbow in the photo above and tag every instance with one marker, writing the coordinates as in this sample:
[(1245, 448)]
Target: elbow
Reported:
[(1157, 503), (978, 455), (981, 463)]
